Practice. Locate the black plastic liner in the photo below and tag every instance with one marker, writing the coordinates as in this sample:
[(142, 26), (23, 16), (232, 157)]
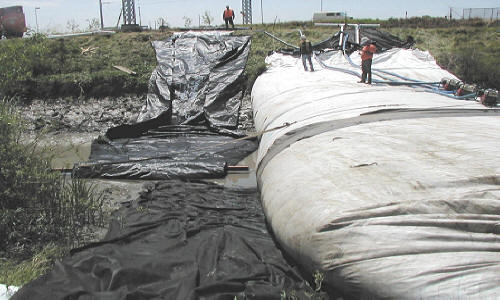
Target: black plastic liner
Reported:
[(179, 240), (169, 152), (198, 81), (196, 90)]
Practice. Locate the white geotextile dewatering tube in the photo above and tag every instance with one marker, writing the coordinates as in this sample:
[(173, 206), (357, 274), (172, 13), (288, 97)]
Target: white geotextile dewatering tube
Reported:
[(388, 192), (6, 292)]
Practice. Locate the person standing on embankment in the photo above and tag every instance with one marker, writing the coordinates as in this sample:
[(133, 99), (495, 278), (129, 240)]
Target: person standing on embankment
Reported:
[(228, 16)]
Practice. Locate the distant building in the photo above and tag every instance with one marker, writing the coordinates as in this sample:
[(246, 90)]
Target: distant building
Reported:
[(329, 17)]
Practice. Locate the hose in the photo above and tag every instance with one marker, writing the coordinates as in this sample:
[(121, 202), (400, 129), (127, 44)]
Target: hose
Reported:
[(336, 69), (417, 82), (347, 71), (346, 37), (464, 97), (280, 40)]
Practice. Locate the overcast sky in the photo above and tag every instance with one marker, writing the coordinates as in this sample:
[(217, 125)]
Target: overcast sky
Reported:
[(53, 15)]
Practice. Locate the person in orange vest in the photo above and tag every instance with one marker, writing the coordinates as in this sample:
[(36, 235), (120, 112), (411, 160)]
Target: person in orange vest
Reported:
[(228, 16), (306, 52), (366, 60)]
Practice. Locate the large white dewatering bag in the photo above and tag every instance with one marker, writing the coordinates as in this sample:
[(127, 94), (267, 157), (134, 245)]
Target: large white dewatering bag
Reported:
[(391, 191), (6, 292)]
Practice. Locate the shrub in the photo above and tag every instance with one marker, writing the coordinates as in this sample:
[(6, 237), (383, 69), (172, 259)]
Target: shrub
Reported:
[(37, 205), (12, 273)]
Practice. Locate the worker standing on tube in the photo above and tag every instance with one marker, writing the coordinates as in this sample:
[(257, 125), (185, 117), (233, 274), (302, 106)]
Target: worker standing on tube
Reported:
[(306, 52), (369, 48), (228, 16)]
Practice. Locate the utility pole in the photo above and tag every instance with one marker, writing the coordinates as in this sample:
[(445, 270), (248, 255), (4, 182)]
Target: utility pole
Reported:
[(140, 19), (262, 12), (100, 9), (321, 5), (36, 18)]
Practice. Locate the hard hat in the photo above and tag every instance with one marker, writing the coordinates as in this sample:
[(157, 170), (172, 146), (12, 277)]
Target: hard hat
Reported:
[(364, 40), (302, 37)]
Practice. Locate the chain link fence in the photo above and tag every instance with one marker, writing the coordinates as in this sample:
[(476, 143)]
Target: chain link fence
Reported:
[(487, 14)]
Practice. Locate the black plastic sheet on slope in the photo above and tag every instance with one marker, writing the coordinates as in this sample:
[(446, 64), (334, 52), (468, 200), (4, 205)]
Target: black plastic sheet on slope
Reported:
[(168, 152), (198, 81), (195, 90), (178, 240)]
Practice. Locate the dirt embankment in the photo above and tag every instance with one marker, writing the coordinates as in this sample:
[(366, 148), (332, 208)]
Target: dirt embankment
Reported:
[(80, 116), (92, 115)]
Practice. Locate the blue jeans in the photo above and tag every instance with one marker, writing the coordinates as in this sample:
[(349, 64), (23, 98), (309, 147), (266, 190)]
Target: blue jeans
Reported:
[(366, 67), (308, 57)]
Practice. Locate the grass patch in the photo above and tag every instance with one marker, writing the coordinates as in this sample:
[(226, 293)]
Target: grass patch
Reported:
[(39, 67), (18, 274), (471, 53), (38, 207)]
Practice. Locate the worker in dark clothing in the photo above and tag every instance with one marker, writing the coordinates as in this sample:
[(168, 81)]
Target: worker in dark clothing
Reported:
[(306, 52), (366, 52), (228, 16)]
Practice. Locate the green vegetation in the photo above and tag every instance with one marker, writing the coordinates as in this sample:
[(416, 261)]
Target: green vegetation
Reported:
[(471, 53), (314, 292), (37, 206), (39, 67), (422, 22), (18, 274)]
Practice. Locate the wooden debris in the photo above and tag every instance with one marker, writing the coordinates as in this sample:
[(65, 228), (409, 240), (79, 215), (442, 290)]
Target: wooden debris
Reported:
[(126, 70), (88, 50)]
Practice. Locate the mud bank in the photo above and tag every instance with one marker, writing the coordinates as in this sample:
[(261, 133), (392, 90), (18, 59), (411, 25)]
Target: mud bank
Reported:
[(80, 115), (73, 115)]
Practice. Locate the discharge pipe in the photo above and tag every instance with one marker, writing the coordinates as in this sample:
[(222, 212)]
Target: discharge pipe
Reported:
[(280, 40)]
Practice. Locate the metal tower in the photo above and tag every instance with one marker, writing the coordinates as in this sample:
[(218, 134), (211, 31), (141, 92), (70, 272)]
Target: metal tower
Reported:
[(246, 10), (129, 12)]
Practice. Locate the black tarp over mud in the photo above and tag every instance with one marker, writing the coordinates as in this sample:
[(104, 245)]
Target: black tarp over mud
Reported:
[(168, 152), (196, 90), (179, 240)]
